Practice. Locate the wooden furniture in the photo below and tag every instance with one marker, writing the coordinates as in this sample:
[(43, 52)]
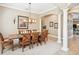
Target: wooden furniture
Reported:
[(16, 36), (46, 34), (34, 30), (5, 43), (43, 36), (25, 41), (24, 31), (34, 38)]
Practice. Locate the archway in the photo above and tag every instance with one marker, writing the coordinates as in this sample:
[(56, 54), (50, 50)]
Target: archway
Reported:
[(73, 31)]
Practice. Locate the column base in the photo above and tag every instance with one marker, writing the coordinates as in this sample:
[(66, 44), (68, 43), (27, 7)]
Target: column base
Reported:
[(65, 49)]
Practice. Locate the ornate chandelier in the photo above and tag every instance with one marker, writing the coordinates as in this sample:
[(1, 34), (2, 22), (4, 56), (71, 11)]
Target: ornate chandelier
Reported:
[(31, 20)]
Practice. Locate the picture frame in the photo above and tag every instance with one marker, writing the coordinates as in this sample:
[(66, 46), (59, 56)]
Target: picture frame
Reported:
[(55, 25), (51, 24), (23, 22)]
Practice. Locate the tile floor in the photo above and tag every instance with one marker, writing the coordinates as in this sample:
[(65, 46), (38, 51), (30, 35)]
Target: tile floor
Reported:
[(50, 48)]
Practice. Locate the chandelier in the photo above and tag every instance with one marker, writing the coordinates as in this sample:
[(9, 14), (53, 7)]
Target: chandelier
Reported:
[(31, 20)]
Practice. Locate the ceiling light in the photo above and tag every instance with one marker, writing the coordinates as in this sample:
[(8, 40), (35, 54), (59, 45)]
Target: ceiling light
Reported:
[(31, 20)]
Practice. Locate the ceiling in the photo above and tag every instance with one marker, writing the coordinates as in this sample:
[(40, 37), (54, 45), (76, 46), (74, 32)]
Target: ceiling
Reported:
[(37, 8)]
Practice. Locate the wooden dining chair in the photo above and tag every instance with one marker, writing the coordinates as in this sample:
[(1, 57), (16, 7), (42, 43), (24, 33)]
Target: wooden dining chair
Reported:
[(6, 42), (25, 41), (42, 37), (34, 39), (29, 31), (46, 35)]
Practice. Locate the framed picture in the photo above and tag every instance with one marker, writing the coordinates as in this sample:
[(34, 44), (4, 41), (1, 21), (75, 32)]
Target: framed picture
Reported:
[(51, 24), (44, 27), (22, 22), (55, 25)]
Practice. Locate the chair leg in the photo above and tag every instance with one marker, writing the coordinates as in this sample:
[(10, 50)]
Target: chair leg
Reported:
[(2, 50), (45, 41), (32, 44), (47, 38), (12, 47), (37, 43), (19, 45), (22, 48), (29, 46), (40, 42)]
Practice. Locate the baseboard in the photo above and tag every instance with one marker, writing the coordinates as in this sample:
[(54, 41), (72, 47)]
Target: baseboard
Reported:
[(54, 36), (70, 37)]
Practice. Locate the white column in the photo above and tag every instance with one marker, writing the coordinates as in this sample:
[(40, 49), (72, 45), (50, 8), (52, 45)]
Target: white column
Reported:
[(65, 30), (59, 28), (40, 25)]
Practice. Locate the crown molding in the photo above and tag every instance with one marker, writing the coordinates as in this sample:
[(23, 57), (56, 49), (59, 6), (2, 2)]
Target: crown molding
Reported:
[(41, 12)]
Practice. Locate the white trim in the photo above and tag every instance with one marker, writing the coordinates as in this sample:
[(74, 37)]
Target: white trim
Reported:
[(17, 8), (28, 10), (45, 11), (40, 25), (65, 30), (59, 28)]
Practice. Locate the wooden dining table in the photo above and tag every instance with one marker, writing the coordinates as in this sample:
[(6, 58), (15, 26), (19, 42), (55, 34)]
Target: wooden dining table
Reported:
[(15, 36), (19, 36)]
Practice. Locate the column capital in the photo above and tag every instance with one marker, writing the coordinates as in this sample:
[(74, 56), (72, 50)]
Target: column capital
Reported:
[(65, 9)]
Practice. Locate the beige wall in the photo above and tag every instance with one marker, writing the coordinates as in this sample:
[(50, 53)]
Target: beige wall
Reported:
[(50, 18), (7, 16)]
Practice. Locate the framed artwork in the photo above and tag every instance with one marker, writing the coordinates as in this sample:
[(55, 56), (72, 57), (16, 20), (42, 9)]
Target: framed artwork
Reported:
[(44, 26), (22, 22), (51, 24), (55, 25)]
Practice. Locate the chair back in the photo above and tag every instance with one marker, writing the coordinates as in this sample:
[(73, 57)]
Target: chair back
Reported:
[(35, 35), (33, 31), (24, 31), (26, 37), (46, 33), (28, 31), (1, 37), (43, 35)]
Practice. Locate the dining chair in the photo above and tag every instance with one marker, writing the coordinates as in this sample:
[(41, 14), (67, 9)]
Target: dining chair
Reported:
[(34, 39), (46, 35), (25, 41), (5, 42), (28, 31), (34, 30), (42, 37)]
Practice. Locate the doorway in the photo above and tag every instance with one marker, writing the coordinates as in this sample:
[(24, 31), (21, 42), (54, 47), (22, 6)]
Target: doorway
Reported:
[(74, 42)]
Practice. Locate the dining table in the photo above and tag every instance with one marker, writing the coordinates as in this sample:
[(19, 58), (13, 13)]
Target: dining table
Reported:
[(15, 36), (19, 37)]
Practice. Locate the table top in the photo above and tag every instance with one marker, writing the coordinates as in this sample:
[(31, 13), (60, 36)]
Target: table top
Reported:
[(15, 36)]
